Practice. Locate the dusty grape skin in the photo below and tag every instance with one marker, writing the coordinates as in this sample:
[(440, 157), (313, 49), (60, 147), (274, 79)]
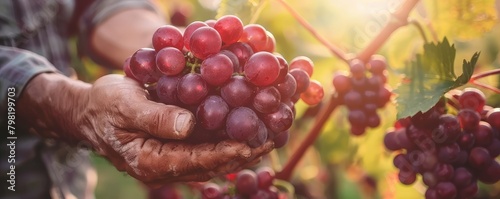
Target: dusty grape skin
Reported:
[(192, 89), (267, 100), (242, 124), (237, 92), (166, 89), (211, 113), (279, 121)]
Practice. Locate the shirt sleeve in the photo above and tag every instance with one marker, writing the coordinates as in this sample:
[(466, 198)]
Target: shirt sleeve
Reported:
[(17, 67), (96, 13)]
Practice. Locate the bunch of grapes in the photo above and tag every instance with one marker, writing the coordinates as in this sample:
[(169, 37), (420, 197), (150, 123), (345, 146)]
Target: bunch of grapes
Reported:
[(363, 93), (245, 184), (228, 76), (450, 152)]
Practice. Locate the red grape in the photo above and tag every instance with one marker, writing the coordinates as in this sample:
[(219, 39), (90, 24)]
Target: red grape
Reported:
[(168, 36), (192, 89), (262, 69), (205, 41), (170, 61), (230, 28), (242, 124), (189, 31), (314, 93), (303, 63), (212, 112), (217, 69)]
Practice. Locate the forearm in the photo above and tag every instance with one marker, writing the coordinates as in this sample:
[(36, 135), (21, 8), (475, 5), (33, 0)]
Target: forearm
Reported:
[(119, 36), (46, 106)]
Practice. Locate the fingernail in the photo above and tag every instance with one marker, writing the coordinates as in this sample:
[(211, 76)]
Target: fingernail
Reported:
[(182, 123)]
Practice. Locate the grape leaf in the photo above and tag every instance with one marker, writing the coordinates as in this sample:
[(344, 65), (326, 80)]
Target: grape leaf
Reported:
[(246, 10), (429, 77)]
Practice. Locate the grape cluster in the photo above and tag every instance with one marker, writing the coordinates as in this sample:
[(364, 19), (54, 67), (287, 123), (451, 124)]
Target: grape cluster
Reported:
[(228, 76), (244, 184), (363, 93), (450, 152)]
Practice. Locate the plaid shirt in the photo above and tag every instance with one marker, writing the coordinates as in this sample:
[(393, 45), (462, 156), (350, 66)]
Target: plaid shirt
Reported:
[(34, 39)]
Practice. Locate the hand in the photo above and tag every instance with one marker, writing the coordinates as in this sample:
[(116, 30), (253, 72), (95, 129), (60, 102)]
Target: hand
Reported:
[(119, 121)]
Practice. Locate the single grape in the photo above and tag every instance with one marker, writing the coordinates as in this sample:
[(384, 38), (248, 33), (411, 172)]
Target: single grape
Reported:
[(287, 87), (374, 83), (450, 128), (444, 172), (265, 177), (431, 193), (283, 70), (304, 63), (446, 190), (342, 83), (479, 158), (143, 65), (210, 22), (127, 71), (358, 130), (211, 191), (271, 42), (166, 89), (466, 140), (262, 69), (494, 148), (302, 79), (255, 36), (237, 92), (377, 64), (469, 191), (372, 120), (407, 177), (170, 61), (280, 120), (167, 36), (314, 93), (493, 117), (246, 182), (353, 100), (448, 153), (384, 96), (403, 140), (281, 139), (242, 50), (234, 60), (390, 141), (211, 113), (357, 68), (429, 179), (261, 136), (359, 84), (217, 69), (357, 118), (483, 134), (242, 124), (462, 177), (267, 100), (491, 174), (472, 98), (192, 89), (189, 31), (230, 28), (205, 41), (469, 119)]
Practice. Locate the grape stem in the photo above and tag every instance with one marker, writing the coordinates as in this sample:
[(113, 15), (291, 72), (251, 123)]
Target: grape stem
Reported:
[(312, 135), (398, 19), (474, 78), (334, 49)]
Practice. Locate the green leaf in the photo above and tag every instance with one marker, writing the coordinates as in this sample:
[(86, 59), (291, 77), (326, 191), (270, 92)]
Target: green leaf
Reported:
[(429, 77), (246, 10)]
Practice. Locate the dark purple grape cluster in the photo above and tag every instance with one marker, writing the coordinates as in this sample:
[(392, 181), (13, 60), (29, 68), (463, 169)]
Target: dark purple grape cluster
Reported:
[(363, 92), (228, 76), (450, 152), (246, 184)]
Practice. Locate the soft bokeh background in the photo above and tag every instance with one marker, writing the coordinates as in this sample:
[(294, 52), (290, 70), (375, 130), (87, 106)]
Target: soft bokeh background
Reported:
[(339, 165)]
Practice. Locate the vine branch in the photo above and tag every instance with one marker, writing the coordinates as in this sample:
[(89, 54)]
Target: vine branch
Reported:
[(312, 135), (334, 49), (485, 74), (398, 19)]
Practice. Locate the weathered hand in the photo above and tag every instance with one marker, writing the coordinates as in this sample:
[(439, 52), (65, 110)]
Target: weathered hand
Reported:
[(139, 136)]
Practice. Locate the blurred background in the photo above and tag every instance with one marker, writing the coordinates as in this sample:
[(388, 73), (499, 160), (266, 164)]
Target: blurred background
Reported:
[(338, 165)]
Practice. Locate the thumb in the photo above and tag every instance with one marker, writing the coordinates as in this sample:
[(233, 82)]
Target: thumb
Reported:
[(163, 121)]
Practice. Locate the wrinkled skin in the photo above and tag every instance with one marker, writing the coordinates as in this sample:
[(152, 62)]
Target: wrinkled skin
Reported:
[(139, 136)]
